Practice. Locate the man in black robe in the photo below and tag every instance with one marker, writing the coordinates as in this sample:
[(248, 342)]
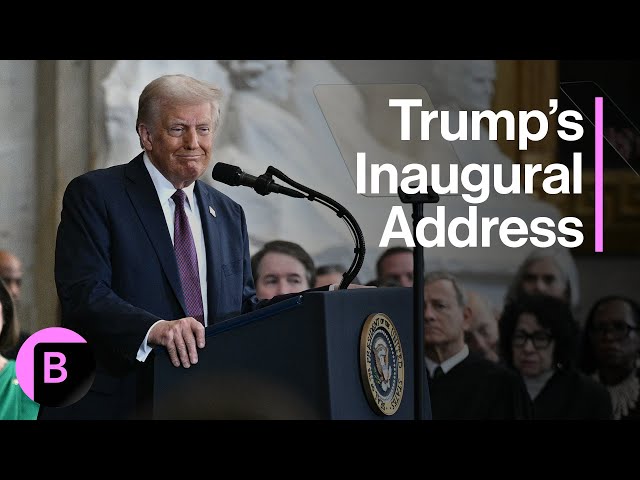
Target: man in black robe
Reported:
[(463, 385)]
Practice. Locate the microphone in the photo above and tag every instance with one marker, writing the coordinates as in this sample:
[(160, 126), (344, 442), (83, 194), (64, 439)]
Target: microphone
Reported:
[(264, 184)]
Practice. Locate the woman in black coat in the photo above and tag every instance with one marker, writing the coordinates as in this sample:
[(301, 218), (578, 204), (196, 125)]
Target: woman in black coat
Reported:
[(538, 338), (610, 352)]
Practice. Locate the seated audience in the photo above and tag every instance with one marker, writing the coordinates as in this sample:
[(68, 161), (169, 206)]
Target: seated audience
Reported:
[(463, 385), (282, 267), (11, 275), (538, 338), (330, 274), (611, 352), (14, 403), (546, 272), (396, 263), (482, 336)]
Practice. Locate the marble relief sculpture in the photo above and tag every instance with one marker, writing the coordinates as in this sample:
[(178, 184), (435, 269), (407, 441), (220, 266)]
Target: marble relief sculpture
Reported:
[(271, 117)]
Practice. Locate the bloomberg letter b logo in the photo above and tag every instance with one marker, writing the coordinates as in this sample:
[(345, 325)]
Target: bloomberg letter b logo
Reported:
[(47, 367), (55, 367)]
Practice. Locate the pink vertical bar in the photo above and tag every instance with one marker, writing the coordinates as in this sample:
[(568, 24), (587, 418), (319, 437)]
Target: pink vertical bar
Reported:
[(599, 243)]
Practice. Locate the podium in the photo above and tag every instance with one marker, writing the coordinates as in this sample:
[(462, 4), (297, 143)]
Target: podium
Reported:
[(302, 358)]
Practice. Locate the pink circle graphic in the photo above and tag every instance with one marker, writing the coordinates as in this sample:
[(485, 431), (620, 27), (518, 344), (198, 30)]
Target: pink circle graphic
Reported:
[(24, 360)]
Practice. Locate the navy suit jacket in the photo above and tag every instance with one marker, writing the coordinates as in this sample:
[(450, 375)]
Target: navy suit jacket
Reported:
[(116, 274)]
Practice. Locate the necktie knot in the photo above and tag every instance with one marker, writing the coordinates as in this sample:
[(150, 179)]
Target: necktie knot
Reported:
[(179, 197), (438, 372)]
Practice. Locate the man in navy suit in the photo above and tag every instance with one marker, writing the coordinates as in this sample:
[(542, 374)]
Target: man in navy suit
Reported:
[(121, 284)]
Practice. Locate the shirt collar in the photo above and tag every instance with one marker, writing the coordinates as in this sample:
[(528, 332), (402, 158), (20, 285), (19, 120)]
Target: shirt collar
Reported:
[(164, 188), (449, 363)]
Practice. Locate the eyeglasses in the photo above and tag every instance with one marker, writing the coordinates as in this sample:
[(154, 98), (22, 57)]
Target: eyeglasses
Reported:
[(540, 339), (619, 331)]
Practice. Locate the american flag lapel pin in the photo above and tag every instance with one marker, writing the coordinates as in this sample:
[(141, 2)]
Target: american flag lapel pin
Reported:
[(212, 211)]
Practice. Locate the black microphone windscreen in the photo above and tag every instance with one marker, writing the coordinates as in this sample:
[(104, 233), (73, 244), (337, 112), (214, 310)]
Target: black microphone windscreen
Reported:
[(227, 174)]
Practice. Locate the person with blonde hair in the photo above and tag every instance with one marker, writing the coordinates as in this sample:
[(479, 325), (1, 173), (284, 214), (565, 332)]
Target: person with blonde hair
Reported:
[(148, 255)]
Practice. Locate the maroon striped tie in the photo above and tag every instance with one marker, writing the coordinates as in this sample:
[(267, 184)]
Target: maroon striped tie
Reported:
[(187, 258)]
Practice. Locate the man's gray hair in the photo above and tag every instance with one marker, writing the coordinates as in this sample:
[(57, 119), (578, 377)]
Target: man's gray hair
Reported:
[(562, 259), (461, 296), (180, 90)]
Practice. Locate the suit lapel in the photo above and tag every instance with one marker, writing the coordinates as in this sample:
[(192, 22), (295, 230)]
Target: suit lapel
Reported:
[(145, 200), (211, 231)]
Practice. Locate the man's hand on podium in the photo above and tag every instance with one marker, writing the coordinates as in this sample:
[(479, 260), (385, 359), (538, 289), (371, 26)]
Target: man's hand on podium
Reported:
[(180, 338)]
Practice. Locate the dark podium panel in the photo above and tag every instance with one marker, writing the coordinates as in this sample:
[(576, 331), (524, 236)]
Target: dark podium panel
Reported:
[(297, 359)]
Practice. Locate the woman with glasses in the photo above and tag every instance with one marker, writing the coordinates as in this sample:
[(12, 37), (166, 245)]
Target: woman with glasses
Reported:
[(538, 338), (610, 347)]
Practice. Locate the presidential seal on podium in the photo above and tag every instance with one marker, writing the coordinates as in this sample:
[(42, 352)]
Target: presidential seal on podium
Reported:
[(381, 364)]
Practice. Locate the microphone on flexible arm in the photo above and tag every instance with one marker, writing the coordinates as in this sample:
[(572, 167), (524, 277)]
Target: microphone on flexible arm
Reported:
[(264, 184)]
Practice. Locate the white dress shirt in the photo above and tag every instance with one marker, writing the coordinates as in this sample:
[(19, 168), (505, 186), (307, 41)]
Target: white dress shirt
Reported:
[(165, 190), (449, 363)]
